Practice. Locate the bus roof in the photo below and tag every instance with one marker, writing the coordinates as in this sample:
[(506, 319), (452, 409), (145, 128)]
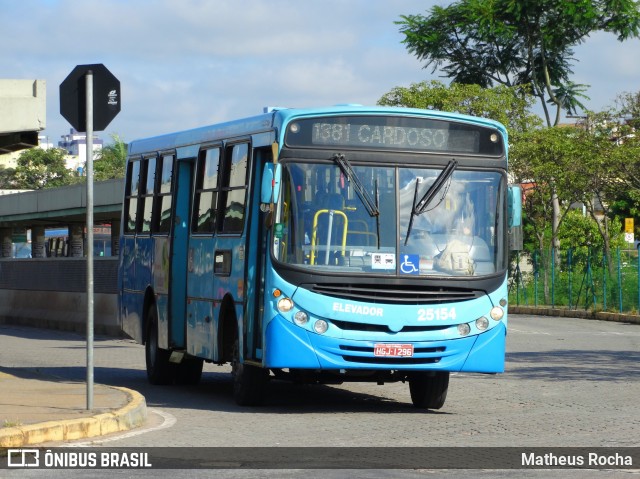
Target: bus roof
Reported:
[(278, 116)]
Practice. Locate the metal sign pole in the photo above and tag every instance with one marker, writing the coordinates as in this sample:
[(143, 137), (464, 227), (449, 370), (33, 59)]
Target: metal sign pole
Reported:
[(97, 114), (89, 167)]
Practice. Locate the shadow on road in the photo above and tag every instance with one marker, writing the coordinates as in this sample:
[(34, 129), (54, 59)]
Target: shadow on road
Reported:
[(215, 392), (576, 365)]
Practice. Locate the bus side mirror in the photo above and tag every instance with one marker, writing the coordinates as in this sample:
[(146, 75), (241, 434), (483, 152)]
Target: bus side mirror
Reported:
[(514, 207), (271, 177), (514, 217)]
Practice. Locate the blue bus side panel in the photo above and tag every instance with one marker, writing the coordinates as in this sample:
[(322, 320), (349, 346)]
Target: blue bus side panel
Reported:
[(200, 280), (143, 256), (205, 291), (136, 278), (130, 303), (202, 315), (201, 326), (128, 245), (145, 264)]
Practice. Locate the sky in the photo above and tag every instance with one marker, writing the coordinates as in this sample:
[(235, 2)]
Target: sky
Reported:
[(187, 63)]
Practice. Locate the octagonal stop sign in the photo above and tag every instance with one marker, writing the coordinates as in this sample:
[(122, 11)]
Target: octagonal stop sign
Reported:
[(106, 97)]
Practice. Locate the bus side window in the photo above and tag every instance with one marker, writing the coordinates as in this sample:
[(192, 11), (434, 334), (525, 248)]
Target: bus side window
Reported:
[(234, 189), (147, 193), (206, 197), (132, 187), (162, 203)]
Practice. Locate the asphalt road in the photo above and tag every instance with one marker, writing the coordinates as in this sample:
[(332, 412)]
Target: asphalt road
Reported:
[(569, 383)]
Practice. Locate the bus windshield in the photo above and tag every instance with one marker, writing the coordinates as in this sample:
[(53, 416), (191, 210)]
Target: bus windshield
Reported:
[(390, 220)]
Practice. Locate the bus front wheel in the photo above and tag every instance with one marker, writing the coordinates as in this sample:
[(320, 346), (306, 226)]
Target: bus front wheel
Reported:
[(159, 369), (249, 382), (429, 390)]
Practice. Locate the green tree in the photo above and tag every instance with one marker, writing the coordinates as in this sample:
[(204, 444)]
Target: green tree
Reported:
[(584, 164), (38, 168), (629, 108), (517, 42), (543, 160), (7, 177), (627, 138), (511, 106), (619, 159), (110, 162)]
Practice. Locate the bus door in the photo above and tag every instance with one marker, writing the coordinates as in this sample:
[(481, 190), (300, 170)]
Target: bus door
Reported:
[(230, 250), (256, 250), (178, 252)]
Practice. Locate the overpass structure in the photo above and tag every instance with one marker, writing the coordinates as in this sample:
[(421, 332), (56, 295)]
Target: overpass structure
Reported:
[(59, 207)]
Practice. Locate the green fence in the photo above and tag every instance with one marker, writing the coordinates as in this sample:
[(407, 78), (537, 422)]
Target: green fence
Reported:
[(577, 279)]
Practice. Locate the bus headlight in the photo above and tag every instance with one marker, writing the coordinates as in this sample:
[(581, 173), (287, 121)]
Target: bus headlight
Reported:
[(482, 323), (285, 305), (497, 313), (320, 326), (464, 329), (301, 318)]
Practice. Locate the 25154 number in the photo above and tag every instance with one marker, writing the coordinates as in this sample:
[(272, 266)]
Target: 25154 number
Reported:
[(437, 314)]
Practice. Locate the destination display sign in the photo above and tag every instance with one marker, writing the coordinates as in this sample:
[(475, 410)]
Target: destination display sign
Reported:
[(392, 132)]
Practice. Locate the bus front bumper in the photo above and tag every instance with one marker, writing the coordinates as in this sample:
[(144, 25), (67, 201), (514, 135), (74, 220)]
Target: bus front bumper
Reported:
[(290, 346)]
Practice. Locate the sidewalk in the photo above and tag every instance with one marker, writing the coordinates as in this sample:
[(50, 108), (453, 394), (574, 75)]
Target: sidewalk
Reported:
[(35, 409)]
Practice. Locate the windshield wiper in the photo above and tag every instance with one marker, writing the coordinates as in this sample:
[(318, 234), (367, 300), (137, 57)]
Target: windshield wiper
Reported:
[(368, 202), (421, 206)]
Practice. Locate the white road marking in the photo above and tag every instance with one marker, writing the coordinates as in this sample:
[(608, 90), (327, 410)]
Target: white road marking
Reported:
[(510, 329)]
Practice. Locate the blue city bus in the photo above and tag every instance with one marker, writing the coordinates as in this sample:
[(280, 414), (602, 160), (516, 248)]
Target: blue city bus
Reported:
[(324, 245)]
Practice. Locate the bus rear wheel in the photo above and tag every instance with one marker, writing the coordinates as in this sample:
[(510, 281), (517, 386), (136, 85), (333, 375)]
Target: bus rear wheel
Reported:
[(159, 370), (249, 382), (429, 390)]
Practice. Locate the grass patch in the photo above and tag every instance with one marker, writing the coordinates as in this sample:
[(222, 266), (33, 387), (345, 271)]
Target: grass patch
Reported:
[(6, 423)]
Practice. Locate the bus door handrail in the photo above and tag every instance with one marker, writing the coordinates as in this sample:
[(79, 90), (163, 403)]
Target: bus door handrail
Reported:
[(314, 239)]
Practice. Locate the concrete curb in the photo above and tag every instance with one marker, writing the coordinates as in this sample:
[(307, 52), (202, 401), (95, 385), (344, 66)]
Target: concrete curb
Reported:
[(132, 415), (571, 313)]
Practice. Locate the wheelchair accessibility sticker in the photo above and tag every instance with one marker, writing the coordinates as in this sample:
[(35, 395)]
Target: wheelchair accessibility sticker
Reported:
[(410, 264)]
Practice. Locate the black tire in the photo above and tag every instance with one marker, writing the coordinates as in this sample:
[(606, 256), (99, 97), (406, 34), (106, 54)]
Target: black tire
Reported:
[(189, 371), (159, 370), (249, 382), (429, 390)]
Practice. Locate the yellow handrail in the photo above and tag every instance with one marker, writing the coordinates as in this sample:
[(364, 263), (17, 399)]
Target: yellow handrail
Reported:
[(329, 232)]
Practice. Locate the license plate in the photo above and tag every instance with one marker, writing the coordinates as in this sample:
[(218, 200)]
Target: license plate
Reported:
[(393, 350)]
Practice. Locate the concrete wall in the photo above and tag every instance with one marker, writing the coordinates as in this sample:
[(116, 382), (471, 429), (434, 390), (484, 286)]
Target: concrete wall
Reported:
[(51, 293), (59, 310)]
